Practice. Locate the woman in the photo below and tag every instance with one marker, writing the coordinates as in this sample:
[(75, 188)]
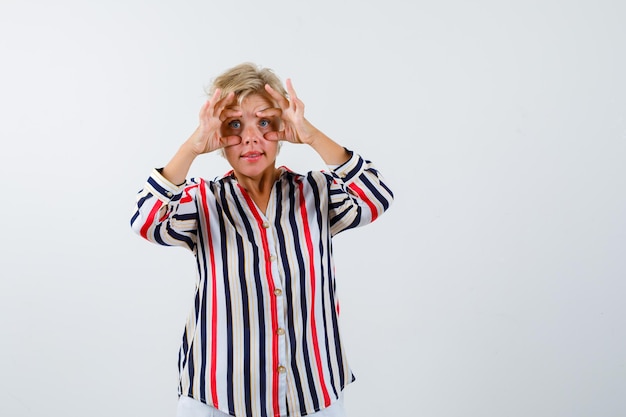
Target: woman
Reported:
[(263, 337)]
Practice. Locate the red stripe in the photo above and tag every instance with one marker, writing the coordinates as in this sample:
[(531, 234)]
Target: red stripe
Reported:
[(274, 312), (150, 220), (363, 197), (213, 299), (309, 245), (187, 197)]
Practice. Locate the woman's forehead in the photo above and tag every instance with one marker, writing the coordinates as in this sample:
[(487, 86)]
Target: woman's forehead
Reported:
[(252, 102)]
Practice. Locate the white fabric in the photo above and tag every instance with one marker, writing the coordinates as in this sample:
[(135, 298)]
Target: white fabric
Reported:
[(263, 331), (188, 407)]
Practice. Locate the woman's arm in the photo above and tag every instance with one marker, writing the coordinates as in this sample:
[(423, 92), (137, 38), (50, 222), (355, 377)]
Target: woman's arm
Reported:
[(297, 129), (358, 194), (165, 212), (206, 138)]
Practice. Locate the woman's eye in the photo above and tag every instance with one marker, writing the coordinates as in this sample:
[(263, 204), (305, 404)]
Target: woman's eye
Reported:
[(235, 124), (264, 123)]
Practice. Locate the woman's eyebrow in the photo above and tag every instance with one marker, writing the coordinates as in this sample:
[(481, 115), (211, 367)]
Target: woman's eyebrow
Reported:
[(276, 109)]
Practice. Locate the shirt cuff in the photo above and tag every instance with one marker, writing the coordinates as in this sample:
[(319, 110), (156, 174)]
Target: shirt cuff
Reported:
[(350, 169), (162, 188)]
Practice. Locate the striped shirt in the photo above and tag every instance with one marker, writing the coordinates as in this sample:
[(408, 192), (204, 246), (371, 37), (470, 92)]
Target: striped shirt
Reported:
[(262, 338)]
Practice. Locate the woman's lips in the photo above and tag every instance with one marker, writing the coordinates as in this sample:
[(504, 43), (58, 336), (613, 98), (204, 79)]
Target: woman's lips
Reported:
[(252, 156)]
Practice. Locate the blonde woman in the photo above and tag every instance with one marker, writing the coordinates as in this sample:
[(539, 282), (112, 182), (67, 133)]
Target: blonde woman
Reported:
[(262, 338)]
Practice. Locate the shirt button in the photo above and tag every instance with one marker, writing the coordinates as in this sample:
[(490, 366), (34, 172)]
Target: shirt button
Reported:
[(169, 194), (282, 369), (278, 291), (280, 331), (266, 225), (272, 258)]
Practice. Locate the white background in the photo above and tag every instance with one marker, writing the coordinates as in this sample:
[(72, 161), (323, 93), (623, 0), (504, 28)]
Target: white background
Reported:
[(493, 287)]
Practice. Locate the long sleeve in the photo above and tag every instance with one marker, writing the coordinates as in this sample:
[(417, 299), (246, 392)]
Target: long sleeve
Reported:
[(166, 214), (358, 194), (262, 337)]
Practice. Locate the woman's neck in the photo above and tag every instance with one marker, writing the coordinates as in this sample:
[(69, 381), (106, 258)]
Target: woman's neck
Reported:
[(259, 188)]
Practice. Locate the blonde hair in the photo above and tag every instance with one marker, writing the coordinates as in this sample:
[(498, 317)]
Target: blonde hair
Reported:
[(246, 79)]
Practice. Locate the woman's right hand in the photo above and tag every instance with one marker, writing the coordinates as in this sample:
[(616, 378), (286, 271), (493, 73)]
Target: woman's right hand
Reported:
[(207, 136)]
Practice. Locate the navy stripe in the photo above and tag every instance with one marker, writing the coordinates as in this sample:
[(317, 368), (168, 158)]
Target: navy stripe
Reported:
[(291, 326), (190, 368), (156, 186), (335, 329), (188, 216), (243, 300), (288, 291), (353, 172), (134, 218), (203, 256), (222, 208), (157, 235), (177, 236), (244, 288), (304, 296), (182, 353), (372, 189), (196, 305), (324, 274), (142, 200), (247, 350)]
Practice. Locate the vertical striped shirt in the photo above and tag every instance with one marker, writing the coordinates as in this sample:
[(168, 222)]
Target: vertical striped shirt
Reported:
[(262, 338)]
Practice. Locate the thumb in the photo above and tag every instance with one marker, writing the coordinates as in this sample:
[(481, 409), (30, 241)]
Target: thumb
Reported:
[(231, 140), (275, 135)]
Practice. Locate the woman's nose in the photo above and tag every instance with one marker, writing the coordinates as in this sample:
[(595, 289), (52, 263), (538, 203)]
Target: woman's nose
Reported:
[(250, 135)]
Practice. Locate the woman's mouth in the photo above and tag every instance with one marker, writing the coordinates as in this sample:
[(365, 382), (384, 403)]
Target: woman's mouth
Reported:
[(252, 156)]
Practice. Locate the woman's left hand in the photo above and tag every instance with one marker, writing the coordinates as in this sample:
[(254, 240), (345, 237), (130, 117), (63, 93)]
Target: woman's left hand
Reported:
[(295, 127)]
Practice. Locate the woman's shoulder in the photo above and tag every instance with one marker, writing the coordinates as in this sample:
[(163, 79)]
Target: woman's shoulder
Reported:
[(317, 175)]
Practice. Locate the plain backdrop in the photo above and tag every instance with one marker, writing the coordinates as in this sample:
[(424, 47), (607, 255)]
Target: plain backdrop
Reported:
[(495, 284)]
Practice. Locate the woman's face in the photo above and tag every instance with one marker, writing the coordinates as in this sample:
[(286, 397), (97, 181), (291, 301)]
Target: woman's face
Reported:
[(255, 155)]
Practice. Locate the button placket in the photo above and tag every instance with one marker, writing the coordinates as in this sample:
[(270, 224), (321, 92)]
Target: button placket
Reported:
[(282, 346), (280, 307)]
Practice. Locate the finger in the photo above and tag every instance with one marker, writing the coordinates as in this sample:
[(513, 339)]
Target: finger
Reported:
[(230, 113), (275, 136), (230, 141), (280, 99), (205, 107), (271, 112), (220, 105), (215, 97), (291, 90), (228, 99), (296, 104)]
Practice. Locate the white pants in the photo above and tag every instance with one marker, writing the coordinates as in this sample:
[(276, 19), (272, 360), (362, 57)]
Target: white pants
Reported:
[(188, 407)]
